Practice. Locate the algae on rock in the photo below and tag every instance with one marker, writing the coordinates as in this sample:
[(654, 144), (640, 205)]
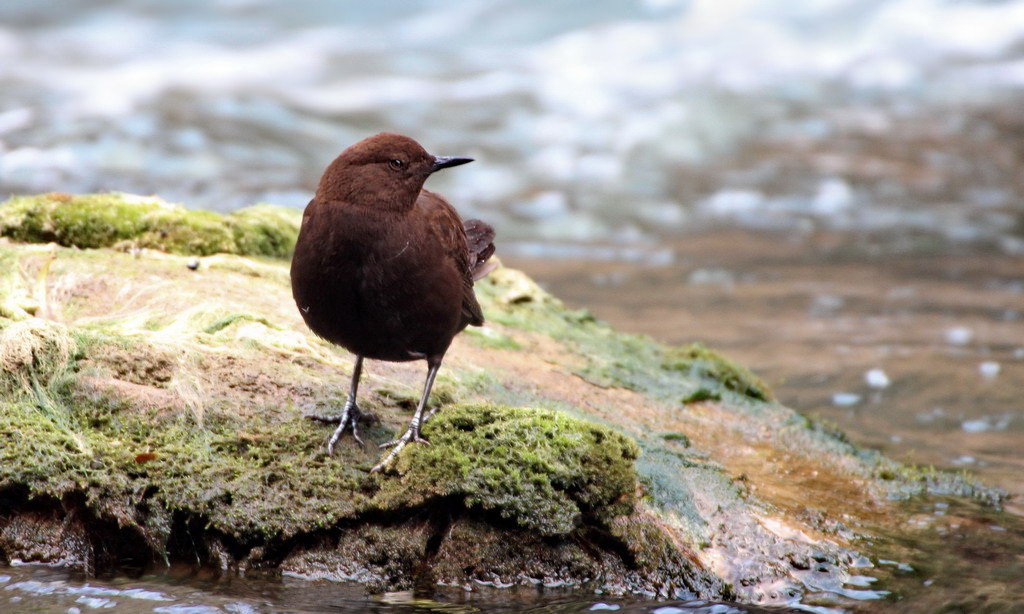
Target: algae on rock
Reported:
[(614, 358)]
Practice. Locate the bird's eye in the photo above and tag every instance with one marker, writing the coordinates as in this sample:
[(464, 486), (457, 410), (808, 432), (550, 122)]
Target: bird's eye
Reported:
[(396, 164)]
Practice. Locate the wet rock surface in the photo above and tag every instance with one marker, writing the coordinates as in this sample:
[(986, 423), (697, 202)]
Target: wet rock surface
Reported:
[(156, 417)]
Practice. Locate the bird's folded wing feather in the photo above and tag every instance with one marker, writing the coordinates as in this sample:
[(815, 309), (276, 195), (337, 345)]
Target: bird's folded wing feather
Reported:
[(447, 226), (480, 239)]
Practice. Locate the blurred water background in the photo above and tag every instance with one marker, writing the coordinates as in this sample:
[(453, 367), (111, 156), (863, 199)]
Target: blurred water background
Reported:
[(829, 191)]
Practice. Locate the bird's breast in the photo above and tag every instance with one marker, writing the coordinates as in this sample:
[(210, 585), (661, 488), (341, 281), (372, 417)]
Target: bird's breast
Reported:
[(381, 289)]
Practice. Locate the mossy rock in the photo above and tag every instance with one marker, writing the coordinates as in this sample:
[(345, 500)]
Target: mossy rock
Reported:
[(174, 422), (698, 360), (242, 476), (541, 469), (124, 220)]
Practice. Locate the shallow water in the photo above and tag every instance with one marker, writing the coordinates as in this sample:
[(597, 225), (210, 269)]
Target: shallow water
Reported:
[(951, 554), (34, 588)]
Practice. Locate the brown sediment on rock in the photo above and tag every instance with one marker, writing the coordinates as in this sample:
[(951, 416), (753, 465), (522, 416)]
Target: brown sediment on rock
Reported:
[(384, 557), (139, 397), (166, 411)]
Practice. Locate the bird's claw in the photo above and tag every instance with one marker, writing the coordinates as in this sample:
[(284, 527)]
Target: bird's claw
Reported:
[(348, 419), (340, 430), (410, 436), (404, 439)]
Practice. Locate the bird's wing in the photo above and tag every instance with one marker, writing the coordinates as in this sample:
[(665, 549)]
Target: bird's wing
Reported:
[(447, 226), (480, 239)]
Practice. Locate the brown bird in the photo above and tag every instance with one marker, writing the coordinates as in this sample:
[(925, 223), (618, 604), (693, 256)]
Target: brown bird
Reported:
[(385, 268)]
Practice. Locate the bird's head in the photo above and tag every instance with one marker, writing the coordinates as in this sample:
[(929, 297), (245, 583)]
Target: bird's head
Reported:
[(385, 170)]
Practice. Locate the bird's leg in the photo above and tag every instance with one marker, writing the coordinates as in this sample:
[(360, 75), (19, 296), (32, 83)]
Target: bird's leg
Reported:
[(412, 434), (429, 415), (349, 415)]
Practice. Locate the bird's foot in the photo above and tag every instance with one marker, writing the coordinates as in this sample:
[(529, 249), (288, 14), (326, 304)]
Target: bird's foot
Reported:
[(349, 418), (411, 436), (404, 439)]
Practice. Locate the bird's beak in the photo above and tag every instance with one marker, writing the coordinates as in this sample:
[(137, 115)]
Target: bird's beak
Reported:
[(447, 161)]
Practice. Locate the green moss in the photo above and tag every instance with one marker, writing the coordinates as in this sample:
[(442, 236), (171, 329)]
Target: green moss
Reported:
[(266, 230), (118, 220), (244, 472), (243, 475), (184, 232), (702, 394), (678, 437), (704, 363), (92, 221), (541, 469)]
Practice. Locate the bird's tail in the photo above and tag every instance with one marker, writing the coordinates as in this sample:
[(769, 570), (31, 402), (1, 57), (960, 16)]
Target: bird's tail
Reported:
[(480, 238)]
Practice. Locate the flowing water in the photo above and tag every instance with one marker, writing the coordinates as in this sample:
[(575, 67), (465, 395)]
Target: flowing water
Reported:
[(831, 192), (33, 588)]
